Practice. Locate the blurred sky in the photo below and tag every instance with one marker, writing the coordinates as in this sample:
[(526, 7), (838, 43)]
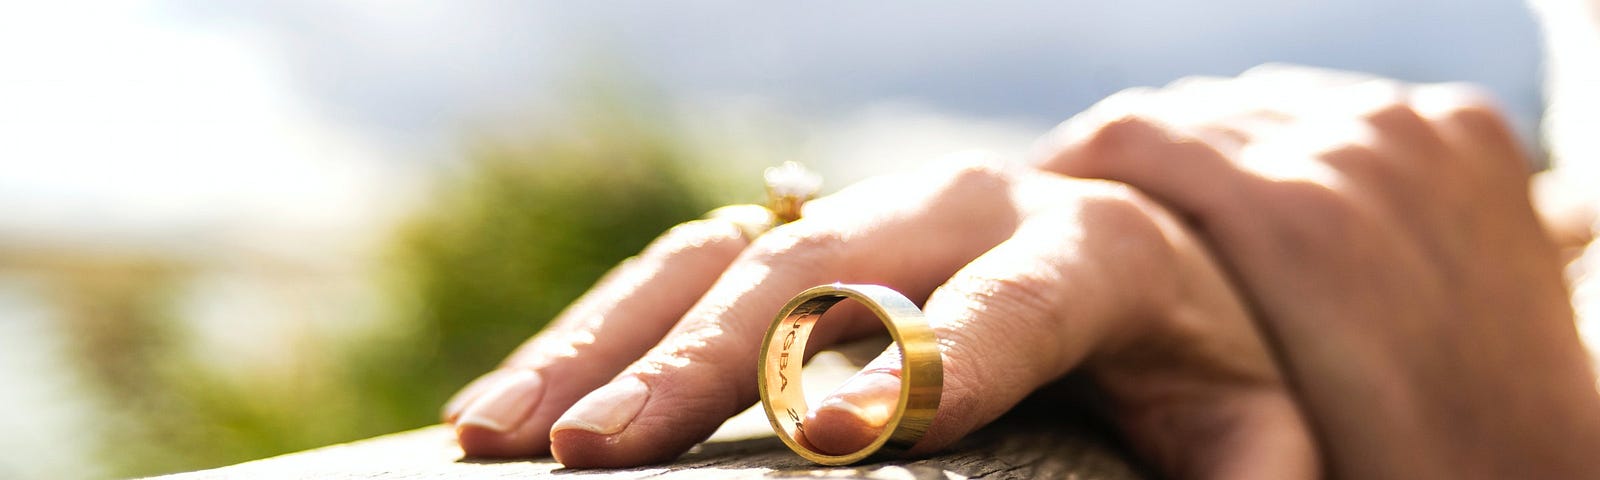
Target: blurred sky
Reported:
[(188, 115), (293, 128), (414, 68)]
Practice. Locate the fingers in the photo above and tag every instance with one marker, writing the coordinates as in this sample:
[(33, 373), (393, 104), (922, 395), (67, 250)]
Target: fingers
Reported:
[(1104, 286), (1015, 318), (1331, 129), (508, 412), (1376, 216), (1468, 119), (1178, 167), (701, 373)]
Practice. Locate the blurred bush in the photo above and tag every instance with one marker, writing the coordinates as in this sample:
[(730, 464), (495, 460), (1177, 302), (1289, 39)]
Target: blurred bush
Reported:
[(516, 237), (506, 240)]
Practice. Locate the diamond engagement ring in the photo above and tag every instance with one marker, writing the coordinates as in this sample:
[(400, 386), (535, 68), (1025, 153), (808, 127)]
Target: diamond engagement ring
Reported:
[(789, 186)]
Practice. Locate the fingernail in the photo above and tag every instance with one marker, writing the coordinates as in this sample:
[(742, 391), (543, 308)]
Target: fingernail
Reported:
[(607, 410), (854, 414), (475, 388), (506, 403)]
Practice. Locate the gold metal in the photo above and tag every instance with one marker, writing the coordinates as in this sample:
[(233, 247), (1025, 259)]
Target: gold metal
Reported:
[(789, 187), (786, 207), (921, 370)]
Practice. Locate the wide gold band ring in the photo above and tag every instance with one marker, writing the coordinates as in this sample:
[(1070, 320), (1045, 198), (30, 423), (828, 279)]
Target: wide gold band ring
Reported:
[(921, 371)]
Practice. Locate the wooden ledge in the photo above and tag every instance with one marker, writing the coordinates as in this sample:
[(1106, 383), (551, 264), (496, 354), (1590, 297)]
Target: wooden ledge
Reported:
[(1027, 443), (1038, 439)]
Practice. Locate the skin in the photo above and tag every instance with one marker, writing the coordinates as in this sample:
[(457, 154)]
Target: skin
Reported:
[(1384, 236), (1101, 278), (1289, 274)]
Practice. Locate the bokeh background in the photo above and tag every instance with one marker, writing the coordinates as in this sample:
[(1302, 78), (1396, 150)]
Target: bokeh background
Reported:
[(236, 228)]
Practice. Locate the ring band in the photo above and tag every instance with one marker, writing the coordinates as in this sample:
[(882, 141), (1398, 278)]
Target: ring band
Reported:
[(921, 373)]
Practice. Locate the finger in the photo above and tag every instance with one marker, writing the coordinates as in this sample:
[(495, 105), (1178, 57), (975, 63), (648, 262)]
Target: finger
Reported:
[(1003, 327), (494, 379), (1275, 226), (1468, 118), (1078, 288), (509, 412), (1225, 112), (701, 373), (1350, 129), (1182, 166)]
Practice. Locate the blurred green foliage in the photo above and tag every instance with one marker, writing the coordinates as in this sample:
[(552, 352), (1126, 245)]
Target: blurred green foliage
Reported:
[(524, 231), (505, 240)]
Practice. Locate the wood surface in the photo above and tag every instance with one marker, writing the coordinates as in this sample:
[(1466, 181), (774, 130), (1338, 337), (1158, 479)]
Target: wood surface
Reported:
[(1039, 439), (1022, 445)]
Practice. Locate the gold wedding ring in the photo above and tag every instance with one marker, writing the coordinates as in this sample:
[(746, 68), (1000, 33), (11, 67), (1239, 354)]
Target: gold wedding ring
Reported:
[(921, 371)]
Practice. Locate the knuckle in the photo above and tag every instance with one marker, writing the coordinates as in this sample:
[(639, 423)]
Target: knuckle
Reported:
[(1472, 117), (1464, 104), (961, 171), (1116, 210), (1359, 160), (1114, 126), (1122, 134), (1144, 238), (1120, 208), (1132, 105), (1124, 126), (1391, 114), (1480, 120)]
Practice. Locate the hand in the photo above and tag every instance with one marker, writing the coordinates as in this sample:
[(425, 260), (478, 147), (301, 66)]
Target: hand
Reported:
[(1024, 275), (1383, 234)]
